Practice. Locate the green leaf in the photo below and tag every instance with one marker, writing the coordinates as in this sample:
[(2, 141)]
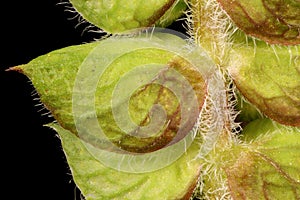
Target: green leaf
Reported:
[(126, 95), (96, 181), (265, 165), (268, 77), (274, 21), (120, 16), (270, 169)]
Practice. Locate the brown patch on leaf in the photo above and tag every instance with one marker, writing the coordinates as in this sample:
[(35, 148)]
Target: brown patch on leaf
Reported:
[(242, 176), (279, 109), (275, 22), (192, 187), (175, 128), (159, 13), (256, 175)]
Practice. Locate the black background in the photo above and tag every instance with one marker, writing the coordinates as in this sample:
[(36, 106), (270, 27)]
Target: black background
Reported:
[(33, 163)]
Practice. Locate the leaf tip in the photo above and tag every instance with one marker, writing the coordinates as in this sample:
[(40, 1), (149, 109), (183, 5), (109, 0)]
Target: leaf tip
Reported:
[(18, 68)]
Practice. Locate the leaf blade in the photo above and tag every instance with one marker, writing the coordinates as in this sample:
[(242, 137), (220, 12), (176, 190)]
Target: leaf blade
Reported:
[(268, 166), (274, 21), (273, 84), (97, 181)]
